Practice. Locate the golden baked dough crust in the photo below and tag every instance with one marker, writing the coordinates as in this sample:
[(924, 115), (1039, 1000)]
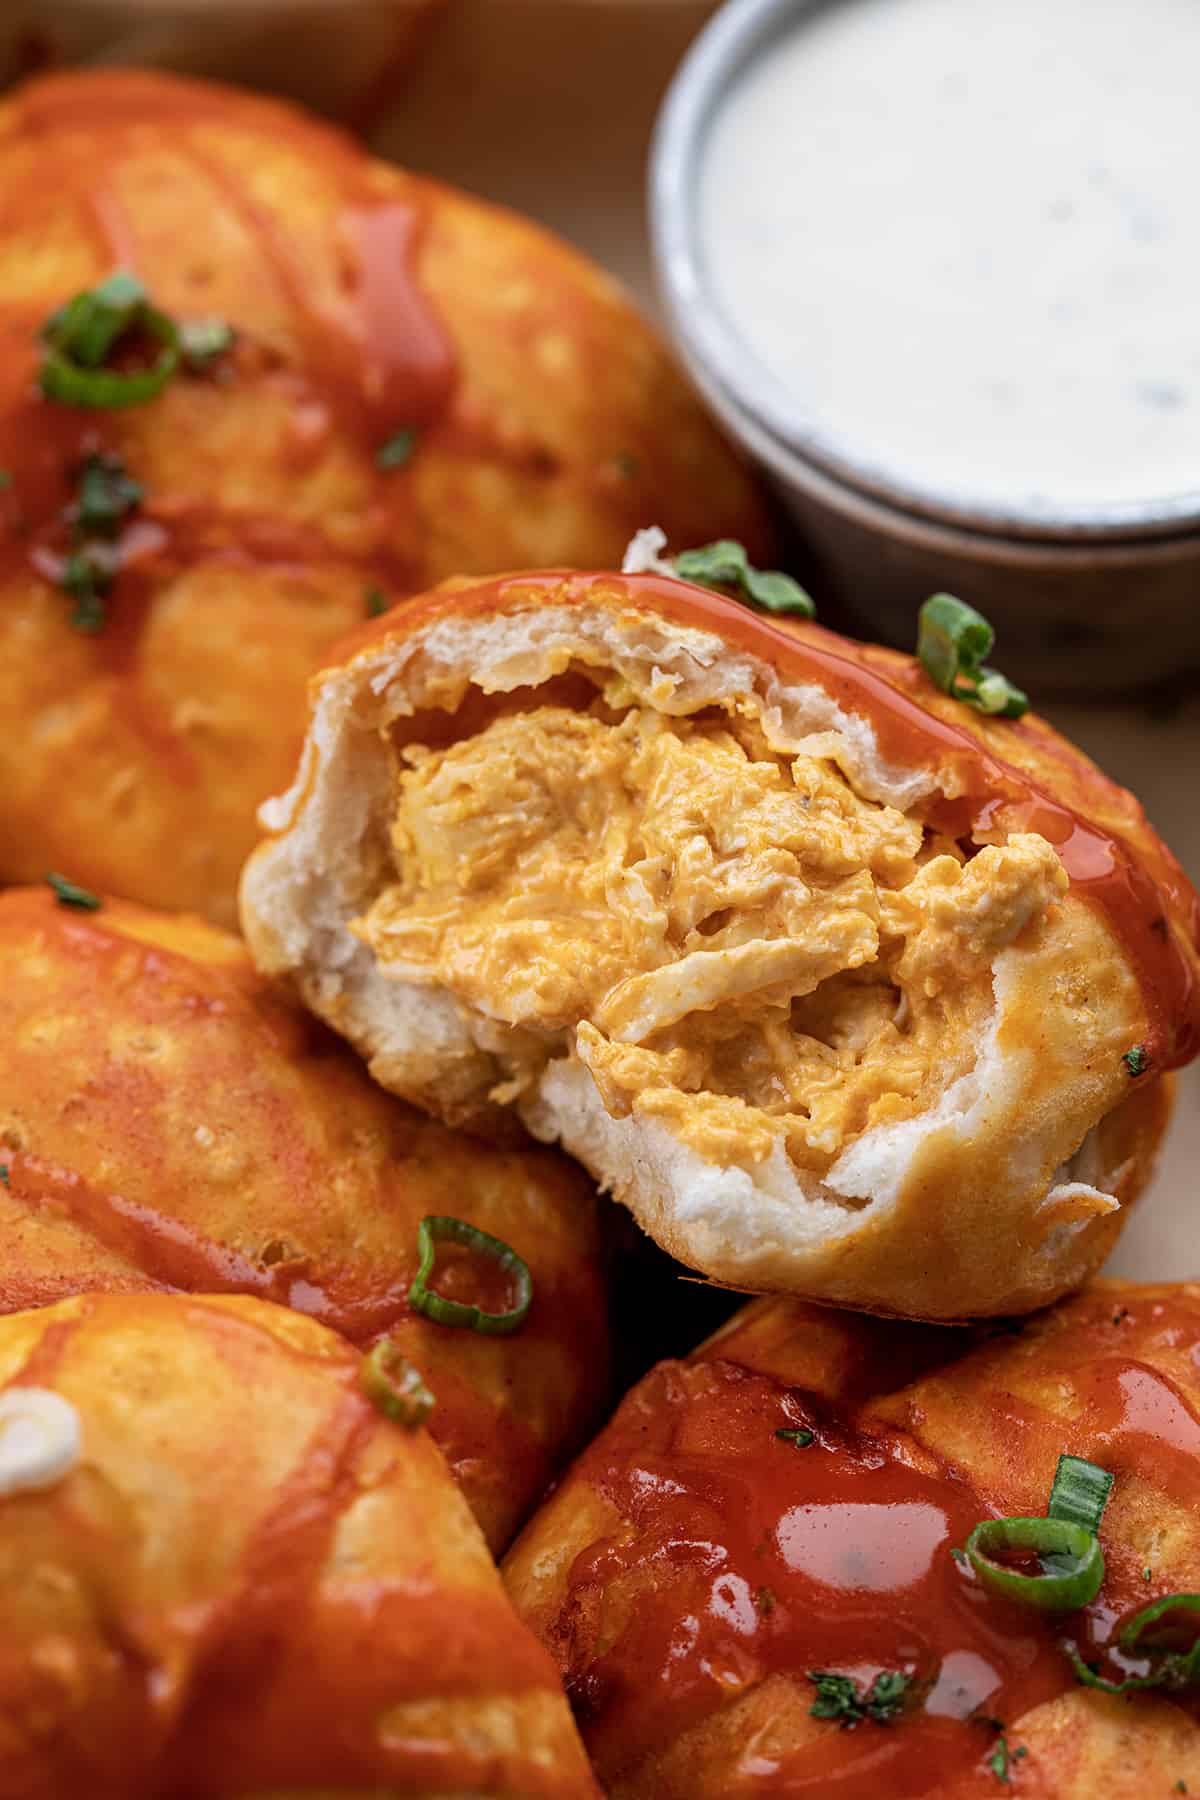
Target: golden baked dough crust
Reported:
[(844, 990), (249, 1583), (549, 425), (693, 1567), (170, 1120)]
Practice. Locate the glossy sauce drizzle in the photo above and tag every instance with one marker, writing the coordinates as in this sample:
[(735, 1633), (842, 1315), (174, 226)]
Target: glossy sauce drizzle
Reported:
[(372, 356), (304, 1230), (284, 1662), (742, 1557), (1154, 914)]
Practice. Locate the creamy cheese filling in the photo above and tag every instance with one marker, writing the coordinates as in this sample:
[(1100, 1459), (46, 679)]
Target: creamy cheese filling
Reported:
[(733, 940)]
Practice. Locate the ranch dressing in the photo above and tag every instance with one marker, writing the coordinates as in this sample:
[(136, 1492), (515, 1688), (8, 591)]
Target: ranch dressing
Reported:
[(960, 243)]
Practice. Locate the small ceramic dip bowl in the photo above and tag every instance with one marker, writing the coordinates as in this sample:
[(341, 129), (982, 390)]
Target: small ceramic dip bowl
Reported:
[(933, 262)]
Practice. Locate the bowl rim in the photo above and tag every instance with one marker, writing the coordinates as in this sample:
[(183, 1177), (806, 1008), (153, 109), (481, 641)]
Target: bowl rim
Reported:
[(793, 473), (722, 49)]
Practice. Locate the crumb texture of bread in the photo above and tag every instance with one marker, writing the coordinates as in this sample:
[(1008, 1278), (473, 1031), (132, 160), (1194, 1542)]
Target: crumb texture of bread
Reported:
[(623, 860)]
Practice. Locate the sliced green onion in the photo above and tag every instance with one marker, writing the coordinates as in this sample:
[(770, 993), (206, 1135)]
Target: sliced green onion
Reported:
[(376, 601), (73, 384), (88, 326), (397, 450), (395, 1385), (952, 641), (801, 1439), (1072, 1562), (952, 636), (725, 564), (1131, 1634), (105, 390), (1170, 1668), (68, 894), (1137, 1060), (995, 694), (438, 1228), (1088, 1674), (78, 339), (1080, 1492)]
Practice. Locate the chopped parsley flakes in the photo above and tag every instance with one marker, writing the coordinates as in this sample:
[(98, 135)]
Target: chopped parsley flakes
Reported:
[(106, 495), (398, 449), (87, 578), (1002, 1758), (67, 893), (838, 1697), (104, 498)]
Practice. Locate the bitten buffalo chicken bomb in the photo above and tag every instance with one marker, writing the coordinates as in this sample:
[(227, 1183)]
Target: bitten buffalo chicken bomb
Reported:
[(844, 989)]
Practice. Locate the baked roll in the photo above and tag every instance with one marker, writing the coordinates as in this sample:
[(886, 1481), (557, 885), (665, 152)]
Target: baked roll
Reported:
[(756, 1580), (417, 385), (227, 1574), (170, 1120), (845, 990)]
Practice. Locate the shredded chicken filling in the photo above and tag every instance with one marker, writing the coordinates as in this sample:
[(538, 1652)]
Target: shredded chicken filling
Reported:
[(732, 940)]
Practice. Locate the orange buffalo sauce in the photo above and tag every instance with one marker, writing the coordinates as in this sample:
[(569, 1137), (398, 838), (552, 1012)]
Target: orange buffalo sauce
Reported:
[(739, 1557), (288, 1671), (489, 1447), (379, 351), (323, 1218), (1125, 872), (370, 360)]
